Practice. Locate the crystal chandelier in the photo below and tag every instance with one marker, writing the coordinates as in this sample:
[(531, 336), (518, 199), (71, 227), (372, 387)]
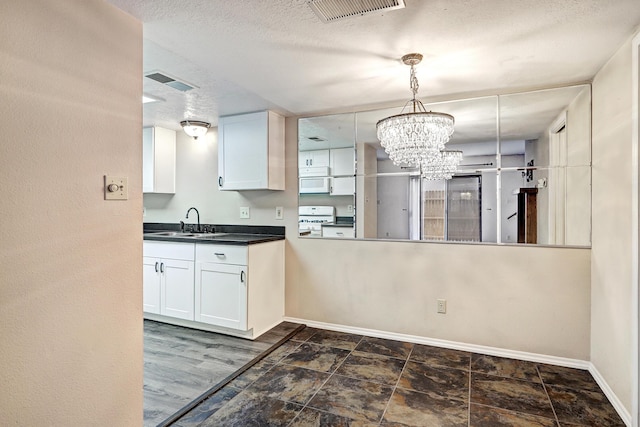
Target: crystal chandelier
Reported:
[(418, 138)]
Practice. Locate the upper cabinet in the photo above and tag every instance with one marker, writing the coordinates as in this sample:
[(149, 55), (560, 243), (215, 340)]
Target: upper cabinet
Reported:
[(158, 160), (342, 162), (251, 152), (315, 158)]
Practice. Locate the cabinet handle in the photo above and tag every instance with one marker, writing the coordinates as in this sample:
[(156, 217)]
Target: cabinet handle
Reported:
[(156, 266), (219, 181), (242, 277), (220, 254), (162, 267)]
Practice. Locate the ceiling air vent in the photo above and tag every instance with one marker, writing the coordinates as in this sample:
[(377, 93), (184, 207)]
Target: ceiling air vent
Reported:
[(164, 78), (335, 10)]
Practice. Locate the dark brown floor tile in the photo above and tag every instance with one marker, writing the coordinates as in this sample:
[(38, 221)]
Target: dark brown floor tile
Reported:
[(335, 339), (507, 393), (288, 383), (351, 398), (583, 407), (385, 347), (205, 409), (443, 357), (312, 418), (568, 377), (251, 374), (316, 357), (247, 410), (284, 350), (484, 416), (304, 334), (503, 367), (365, 366), (436, 382), (410, 408)]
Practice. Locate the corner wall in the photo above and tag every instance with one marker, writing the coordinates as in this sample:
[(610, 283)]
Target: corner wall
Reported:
[(611, 291), (70, 262)]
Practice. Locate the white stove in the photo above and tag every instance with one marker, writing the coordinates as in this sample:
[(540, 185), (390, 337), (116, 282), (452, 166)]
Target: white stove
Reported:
[(311, 218)]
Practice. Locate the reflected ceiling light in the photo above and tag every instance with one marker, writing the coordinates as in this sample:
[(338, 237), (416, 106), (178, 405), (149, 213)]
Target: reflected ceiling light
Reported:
[(418, 138), (195, 128), (150, 98)]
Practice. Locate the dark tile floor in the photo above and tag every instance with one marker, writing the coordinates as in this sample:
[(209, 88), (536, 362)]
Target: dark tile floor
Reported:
[(325, 378)]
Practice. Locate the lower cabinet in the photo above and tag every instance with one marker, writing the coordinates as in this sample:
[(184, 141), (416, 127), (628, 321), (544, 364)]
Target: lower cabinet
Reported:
[(221, 296), (222, 285), (233, 289), (168, 279)]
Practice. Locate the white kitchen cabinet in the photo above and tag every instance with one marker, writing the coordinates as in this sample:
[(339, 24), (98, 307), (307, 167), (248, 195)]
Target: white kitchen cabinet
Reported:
[(338, 232), (251, 152), (314, 158), (240, 287), (168, 279), (221, 297), (342, 162), (158, 160), (343, 186)]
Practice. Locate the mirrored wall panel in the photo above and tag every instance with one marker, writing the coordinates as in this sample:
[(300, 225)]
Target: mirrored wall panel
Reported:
[(524, 177)]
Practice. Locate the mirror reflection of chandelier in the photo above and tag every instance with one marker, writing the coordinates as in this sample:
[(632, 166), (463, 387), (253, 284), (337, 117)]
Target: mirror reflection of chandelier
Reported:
[(418, 138)]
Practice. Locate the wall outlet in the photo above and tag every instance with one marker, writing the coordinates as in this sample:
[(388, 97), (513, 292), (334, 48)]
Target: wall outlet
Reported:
[(442, 306), (279, 212), (244, 212)]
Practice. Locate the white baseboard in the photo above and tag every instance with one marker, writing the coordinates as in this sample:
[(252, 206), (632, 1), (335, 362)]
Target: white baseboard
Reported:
[(619, 407), (474, 348)]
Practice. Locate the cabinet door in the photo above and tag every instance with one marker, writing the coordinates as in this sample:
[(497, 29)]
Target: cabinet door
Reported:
[(151, 285), (243, 152), (221, 295), (319, 158), (342, 162), (344, 186), (177, 288)]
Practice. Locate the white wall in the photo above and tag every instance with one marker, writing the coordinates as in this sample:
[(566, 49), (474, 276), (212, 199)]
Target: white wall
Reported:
[(70, 262), (611, 351), (392, 286)]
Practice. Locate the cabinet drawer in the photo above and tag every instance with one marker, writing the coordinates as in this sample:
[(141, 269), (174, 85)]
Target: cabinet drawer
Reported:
[(172, 250), (221, 254), (347, 232)]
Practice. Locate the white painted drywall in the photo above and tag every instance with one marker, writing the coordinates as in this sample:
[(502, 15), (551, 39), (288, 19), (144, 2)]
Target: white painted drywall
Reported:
[(611, 330), (70, 262)]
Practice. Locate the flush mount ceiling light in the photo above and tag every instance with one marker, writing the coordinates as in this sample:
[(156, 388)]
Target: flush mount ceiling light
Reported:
[(418, 138), (195, 128)]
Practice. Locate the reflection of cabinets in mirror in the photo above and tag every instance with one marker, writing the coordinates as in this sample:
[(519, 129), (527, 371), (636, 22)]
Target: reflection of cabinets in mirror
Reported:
[(342, 162), (342, 186), (316, 158)]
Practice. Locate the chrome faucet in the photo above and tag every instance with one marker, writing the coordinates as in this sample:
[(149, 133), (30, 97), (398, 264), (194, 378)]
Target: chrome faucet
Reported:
[(198, 213)]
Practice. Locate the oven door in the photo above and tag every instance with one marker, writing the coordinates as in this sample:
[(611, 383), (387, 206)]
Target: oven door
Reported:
[(314, 185)]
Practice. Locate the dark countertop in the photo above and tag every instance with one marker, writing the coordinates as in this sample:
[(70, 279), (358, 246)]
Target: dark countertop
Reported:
[(224, 234)]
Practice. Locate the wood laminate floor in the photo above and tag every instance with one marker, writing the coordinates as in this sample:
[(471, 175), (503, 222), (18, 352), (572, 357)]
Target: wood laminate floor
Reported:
[(182, 363)]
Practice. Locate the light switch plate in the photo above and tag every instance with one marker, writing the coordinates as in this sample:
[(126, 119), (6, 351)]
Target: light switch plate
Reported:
[(115, 188), (244, 212), (279, 212)]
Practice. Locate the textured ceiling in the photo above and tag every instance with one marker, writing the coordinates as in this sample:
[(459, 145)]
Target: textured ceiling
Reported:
[(252, 55)]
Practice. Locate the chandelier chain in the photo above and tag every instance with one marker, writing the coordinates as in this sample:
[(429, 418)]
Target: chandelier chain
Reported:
[(413, 83)]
